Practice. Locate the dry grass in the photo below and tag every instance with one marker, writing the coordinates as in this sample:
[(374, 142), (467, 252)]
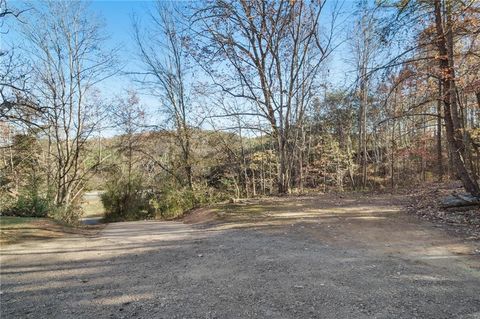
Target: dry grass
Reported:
[(15, 229), (19, 229), (425, 202)]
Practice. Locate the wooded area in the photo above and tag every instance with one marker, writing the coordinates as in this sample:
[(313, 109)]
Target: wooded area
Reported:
[(249, 103)]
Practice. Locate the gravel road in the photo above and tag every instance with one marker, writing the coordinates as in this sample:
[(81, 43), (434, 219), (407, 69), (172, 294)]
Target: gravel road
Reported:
[(316, 257)]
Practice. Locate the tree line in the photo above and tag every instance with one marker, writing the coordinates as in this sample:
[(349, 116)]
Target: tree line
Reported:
[(249, 102)]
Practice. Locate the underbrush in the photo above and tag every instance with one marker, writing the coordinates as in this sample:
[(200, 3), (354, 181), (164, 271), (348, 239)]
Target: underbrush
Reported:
[(425, 202), (125, 201), (69, 215), (39, 206), (29, 203), (173, 203)]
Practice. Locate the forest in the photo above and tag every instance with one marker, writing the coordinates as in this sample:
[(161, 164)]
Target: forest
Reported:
[(239, 159), (234, 99)]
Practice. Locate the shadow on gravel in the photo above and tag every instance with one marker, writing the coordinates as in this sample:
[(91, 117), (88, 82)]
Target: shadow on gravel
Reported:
[(300, 258), (174, 271)]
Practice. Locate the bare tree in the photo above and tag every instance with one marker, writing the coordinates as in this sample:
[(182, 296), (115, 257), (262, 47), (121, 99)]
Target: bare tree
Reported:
[(456, 143), (17, 105), (162, 51), (128, 118), (435, 54), (64, 49), (8, 11), (365, 45), (267, 53)]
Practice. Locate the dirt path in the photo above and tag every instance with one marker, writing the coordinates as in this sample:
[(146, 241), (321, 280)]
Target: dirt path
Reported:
[(323, 257)]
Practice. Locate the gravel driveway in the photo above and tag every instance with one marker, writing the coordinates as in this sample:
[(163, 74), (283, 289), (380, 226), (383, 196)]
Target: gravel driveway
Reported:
[(318, 257)]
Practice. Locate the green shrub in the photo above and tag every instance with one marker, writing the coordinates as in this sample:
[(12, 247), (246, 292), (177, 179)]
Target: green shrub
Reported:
[(126, 200), (173, 203), (31, 205), (207, 195), (67, 214), (7, 203), (30, 202), (129, 200)]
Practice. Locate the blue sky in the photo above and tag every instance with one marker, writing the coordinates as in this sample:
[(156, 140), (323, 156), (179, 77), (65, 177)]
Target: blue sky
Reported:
[(118, 19), (118, 25), (117, 15)]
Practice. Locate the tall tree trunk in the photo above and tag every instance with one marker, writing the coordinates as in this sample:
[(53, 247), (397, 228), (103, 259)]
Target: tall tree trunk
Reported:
[(362, 139), (393, 150), (254, 188), (282, 181), (188, 168), (439, 134), (455, 142), (424, 147)]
